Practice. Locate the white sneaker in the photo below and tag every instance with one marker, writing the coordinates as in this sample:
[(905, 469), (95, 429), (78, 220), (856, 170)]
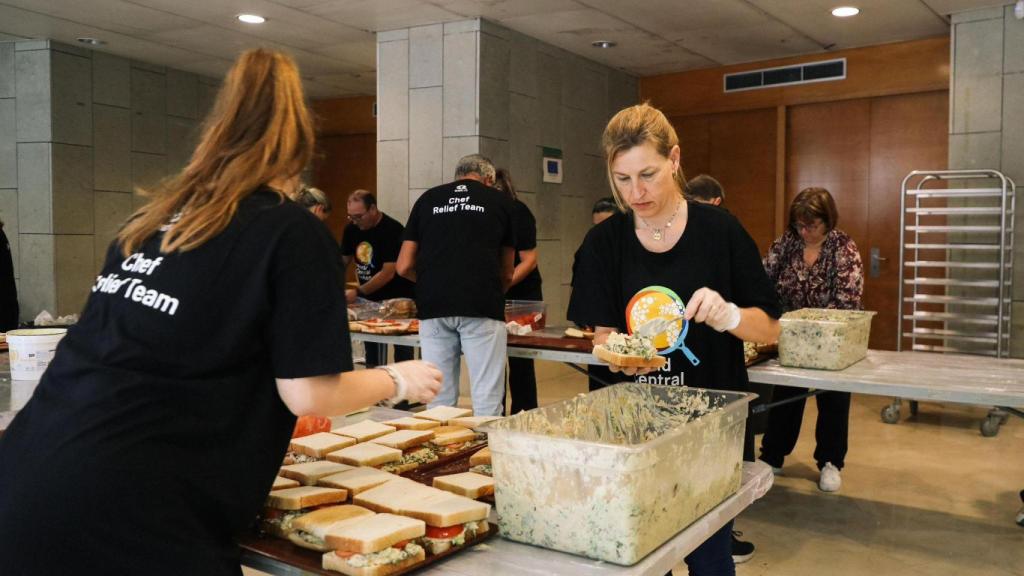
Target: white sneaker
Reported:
[(830, 480)]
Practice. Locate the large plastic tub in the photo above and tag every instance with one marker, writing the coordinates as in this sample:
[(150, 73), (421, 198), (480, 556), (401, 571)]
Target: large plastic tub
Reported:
[(613, 474), (824, 339)]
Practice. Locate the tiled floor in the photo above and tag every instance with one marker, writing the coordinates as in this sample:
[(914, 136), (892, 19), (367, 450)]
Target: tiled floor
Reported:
[(927, 496)]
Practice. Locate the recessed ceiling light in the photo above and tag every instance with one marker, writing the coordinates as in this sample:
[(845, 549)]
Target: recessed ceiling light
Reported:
[(603, 44), (91, 41), (845, 11), (252, 18)]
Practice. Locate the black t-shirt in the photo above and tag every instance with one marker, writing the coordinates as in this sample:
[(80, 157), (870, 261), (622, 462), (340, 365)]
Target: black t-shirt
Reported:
[(373, 248), (526, 239), (460, 229), (155, 434), (617, 276)]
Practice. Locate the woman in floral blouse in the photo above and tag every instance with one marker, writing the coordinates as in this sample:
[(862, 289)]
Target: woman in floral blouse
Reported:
[(813, 265)]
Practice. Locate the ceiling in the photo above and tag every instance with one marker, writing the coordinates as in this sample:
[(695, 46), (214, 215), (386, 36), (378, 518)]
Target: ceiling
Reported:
[(334, 42)]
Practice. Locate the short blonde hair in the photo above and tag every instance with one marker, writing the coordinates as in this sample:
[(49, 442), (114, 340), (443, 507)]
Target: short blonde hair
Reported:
[(636, 126)]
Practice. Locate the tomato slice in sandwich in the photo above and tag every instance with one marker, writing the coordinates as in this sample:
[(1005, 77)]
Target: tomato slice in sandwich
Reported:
[(400, 545), (442, 533), (345, 555)]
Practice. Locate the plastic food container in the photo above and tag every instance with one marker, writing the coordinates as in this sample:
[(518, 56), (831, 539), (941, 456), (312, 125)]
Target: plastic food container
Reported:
[(31, 351), (613, 474), (532, 313), (824, 339)]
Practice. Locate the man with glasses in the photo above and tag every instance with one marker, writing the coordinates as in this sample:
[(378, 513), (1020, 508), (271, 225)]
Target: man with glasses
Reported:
[(373, 239)]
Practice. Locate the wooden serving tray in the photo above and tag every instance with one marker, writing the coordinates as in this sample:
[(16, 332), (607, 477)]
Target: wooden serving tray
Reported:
[(310, 561)]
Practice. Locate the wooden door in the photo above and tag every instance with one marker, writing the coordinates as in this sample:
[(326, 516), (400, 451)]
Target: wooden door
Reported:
[(738, 150), (860, 150), (344, 164)]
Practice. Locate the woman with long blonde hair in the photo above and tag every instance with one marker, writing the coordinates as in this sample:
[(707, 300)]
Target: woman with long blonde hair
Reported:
[(666, 258), (219, 316)]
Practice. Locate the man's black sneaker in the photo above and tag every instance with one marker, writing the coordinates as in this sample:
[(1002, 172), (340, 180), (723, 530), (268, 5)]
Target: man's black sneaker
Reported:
[(741, 551)]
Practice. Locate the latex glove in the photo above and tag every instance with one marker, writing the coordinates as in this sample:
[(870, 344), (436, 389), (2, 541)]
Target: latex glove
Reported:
[(708, 307), (415, 381)]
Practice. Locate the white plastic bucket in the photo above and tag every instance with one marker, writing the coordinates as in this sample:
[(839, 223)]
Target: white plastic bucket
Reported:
[(21, 392), (31, 351)]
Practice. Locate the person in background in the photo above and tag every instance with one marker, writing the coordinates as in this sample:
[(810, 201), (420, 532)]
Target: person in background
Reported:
[(603, 209), (314, 200), (372, 239), (155, 434), (675, 249), (705, 189), (598, 376), (813, 265), (526, 285), (8, 288), (459, 248)]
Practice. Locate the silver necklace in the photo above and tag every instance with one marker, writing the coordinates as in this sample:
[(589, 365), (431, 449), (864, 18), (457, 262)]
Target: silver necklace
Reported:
[(659, 233)]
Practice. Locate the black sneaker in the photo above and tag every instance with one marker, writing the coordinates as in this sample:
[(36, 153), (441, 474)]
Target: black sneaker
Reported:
[(1020, 513), (741, 551)]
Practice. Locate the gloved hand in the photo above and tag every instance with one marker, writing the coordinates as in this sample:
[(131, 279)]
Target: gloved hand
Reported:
[(415, 381), (709, 307)]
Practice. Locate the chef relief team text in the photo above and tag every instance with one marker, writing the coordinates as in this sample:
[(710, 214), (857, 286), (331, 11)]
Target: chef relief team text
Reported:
[(134, 289)]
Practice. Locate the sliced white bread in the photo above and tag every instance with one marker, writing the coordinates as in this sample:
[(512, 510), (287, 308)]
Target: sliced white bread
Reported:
[(444, 435), (404, 439), (392, 495), (373, 533), (363, 431), (444, 413), (304, 497), (308, 530), (319, 444), (366, 454), (472, 422), (308, 473), (331, 561), (602, 353), (411, 423), (468, 484), (357, 480), (446, 511), (280, 483), (479, 457)]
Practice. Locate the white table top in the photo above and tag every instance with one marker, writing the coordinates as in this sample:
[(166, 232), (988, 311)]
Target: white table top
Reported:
[(912, 375)]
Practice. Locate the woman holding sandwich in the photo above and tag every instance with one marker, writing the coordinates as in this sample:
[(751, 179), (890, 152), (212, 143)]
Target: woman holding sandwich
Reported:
[(663, 249), (155, 434)]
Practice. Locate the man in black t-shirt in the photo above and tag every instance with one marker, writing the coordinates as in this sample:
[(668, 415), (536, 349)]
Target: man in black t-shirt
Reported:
[(459, 248), (373, 239)]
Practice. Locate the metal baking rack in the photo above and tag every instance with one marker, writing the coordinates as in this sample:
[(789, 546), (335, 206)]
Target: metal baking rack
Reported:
[(956, 268)]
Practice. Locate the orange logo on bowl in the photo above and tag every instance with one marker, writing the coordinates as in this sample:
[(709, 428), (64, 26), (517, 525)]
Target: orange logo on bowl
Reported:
[(364, 253)]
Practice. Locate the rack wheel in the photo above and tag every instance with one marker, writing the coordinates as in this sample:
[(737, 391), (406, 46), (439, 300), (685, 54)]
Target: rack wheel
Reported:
[(891, 414), (990, 426)]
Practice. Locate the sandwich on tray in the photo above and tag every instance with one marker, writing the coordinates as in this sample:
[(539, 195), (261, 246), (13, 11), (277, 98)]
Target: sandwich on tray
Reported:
[(284, 506), (363, 431), (376, 545), (629, 351), (473, 422), (319, 444), (411, 423), (357, 480), (468, 484), (309, 472), (392, 495), (449, 440), (412, 444), (451, 519), (280, 483), (308, 530), (480, 462), (366, 454), (444, 413)]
